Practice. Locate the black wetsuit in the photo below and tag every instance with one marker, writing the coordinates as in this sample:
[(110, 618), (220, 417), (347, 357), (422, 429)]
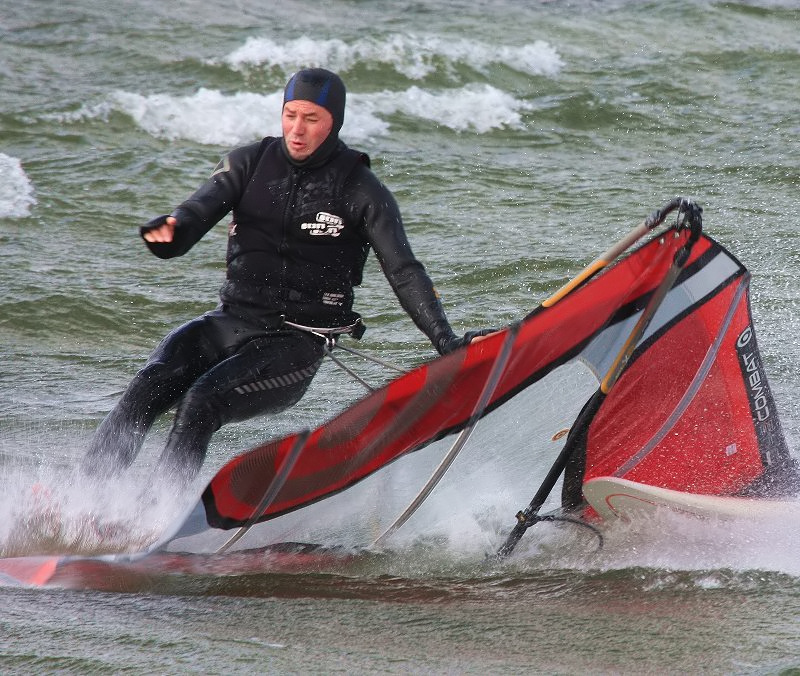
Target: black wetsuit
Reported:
[(297, 246)]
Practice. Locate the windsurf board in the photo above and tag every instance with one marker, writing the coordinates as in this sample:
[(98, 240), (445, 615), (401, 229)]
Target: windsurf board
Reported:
[(614, 498)]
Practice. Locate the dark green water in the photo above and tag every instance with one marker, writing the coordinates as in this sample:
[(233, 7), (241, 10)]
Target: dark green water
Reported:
[(520, 138)]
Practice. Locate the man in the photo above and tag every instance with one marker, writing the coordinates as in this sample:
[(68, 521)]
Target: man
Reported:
[(306, 210)]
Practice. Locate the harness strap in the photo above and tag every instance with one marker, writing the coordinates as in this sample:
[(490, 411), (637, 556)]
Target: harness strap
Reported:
[(331, 334)]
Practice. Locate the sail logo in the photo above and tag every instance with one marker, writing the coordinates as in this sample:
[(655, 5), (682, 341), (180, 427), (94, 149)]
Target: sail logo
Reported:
[(754, 377), (325, 224), (744, 338), (766, 424)]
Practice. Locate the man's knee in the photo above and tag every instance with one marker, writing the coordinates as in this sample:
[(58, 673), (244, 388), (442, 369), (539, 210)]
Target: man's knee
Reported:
[(200, 411)]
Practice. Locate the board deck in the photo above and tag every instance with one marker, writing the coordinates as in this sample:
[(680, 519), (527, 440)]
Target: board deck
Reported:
[(125, 572), (614, 498)]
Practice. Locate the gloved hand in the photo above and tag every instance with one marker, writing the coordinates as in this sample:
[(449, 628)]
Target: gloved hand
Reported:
[(452, 342), (161, 229)]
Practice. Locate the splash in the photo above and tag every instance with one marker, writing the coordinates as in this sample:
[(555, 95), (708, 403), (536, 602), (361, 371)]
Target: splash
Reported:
[(44, 512), (16, 190), (413, 56), (667, 541)]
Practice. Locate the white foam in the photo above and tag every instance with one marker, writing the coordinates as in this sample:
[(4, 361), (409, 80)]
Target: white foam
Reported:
[(313, 53), (43, 510), (208, 116), (16, 190), (214, 118), (480, 108), (671, 541), (414, 56)]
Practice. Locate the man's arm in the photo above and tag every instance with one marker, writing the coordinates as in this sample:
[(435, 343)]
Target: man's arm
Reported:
[(173, 235), (406, 274)]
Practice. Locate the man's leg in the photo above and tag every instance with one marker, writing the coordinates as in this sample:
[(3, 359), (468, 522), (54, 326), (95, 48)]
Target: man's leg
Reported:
[(183, 356), (266, 375)]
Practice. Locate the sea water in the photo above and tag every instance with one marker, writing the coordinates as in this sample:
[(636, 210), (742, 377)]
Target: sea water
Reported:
[(520, 139)]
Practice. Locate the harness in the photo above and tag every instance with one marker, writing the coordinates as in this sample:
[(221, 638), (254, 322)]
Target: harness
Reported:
[(331, 335)]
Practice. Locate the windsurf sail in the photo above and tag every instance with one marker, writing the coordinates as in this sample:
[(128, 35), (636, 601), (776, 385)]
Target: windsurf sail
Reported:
[(693, 410), (689, 408)]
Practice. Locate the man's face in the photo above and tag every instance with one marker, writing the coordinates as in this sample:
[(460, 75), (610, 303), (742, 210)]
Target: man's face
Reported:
[(305, 126)]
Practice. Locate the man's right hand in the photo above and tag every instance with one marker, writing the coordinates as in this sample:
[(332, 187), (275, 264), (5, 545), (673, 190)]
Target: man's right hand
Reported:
[(162, 233)]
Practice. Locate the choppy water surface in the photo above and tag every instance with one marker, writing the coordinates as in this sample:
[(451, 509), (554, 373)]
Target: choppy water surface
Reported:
[(520, 138)]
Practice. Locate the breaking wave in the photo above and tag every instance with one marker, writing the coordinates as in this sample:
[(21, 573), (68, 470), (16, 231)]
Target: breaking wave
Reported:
[(413, 56), (214, 118), (16, 189)]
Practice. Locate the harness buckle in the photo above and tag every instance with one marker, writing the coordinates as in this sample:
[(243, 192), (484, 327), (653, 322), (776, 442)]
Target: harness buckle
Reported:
[(331, 334)]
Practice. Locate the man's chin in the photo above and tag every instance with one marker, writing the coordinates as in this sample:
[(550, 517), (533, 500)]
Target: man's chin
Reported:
[(298, 155)]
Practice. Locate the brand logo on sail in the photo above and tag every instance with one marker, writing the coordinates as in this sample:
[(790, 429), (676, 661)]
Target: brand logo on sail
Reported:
[(753, 372)]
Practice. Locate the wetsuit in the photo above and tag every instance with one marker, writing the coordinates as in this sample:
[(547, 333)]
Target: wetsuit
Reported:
[(297, 246)]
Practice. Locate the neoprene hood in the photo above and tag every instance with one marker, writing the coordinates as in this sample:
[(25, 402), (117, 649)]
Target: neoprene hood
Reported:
[(319, 86)]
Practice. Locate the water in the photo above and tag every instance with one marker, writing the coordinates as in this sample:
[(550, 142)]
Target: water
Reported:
[(520, 138)]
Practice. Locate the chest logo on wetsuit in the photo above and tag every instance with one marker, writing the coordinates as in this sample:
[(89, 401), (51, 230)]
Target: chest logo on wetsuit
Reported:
[(325, 224)]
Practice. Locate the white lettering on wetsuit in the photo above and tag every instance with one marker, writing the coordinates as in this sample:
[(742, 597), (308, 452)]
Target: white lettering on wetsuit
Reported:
[(326, 224)]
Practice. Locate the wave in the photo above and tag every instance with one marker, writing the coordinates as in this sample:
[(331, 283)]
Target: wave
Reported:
[(220, 117), (414, 57), (16, 190), (214, 118)]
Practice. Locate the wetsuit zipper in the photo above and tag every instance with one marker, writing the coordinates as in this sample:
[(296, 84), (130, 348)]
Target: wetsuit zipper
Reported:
[(289, 209)]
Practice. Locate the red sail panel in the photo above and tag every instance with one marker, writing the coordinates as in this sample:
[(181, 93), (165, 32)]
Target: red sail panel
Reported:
[(408, 412), (693, 411)]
